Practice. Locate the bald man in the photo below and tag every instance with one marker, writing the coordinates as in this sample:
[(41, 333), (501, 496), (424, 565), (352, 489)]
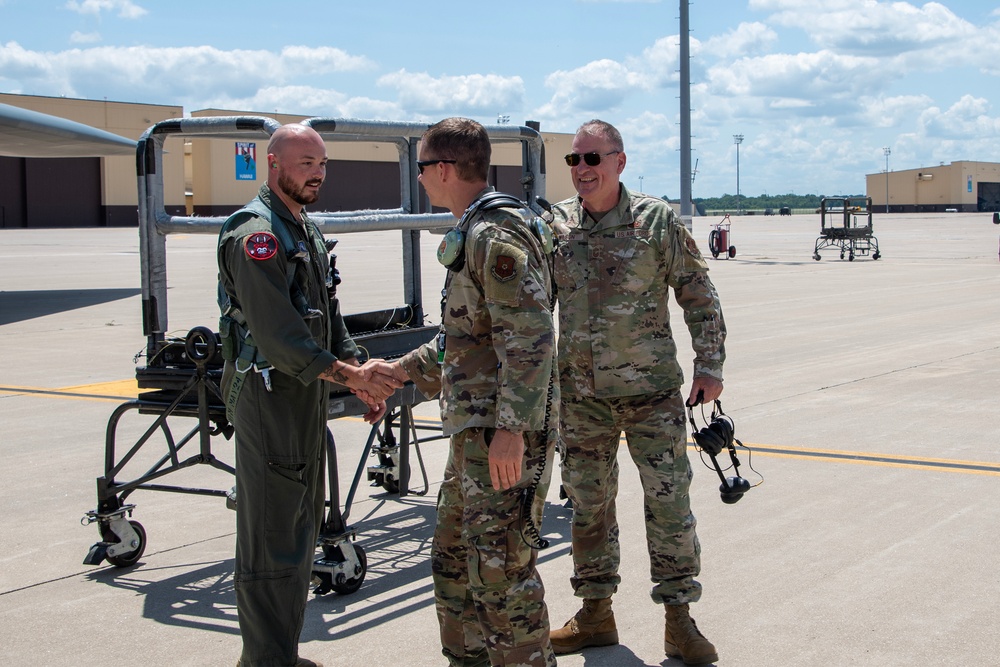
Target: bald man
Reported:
[(282, 338)]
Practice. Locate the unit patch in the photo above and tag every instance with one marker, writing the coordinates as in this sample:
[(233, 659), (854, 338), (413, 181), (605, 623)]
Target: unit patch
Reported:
[(506, 266), (261, 245), (503, 269), (692, 247)]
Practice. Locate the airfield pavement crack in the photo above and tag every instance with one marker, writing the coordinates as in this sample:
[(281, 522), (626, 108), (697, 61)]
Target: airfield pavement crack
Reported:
[(869, 377)]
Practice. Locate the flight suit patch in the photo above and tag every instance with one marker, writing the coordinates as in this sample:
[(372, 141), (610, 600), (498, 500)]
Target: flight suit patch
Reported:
[(261, 245), (506, 266)]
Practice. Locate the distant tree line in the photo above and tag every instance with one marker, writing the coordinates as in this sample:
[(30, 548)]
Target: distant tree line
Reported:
[(733, 203)]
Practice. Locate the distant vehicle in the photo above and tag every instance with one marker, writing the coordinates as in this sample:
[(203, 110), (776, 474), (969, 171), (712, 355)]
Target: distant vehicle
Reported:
[(784, 210), (768, 211)]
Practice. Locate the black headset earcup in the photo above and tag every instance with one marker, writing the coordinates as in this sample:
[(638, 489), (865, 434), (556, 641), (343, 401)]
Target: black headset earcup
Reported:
[(733, 489), (708, 441)]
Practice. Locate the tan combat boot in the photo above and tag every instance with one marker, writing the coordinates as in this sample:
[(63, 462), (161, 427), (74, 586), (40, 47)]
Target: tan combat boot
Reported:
[(593, 625), (682, 639)]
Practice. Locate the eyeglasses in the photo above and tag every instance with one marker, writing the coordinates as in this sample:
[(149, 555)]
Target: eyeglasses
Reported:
[(426, 163), (592, 159)]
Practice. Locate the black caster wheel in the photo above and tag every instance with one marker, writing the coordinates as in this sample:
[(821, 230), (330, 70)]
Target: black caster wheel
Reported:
[(340, 583), (816, 256), (130, 557), (347, 586)]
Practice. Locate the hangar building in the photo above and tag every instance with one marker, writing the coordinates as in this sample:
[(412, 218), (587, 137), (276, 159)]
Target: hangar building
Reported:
[(963, 186), (199, 175)]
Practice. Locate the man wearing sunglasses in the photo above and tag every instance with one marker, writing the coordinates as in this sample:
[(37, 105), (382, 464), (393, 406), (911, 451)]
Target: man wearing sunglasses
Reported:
[(494, 366), (621, 254)]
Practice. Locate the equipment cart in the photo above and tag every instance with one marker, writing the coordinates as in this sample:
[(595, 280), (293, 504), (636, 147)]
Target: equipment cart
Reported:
[(846, 222), (718, 239), (180, 380)]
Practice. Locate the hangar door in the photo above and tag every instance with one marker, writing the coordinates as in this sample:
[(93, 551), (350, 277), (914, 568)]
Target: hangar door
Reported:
[(989, 197), (50, 192)]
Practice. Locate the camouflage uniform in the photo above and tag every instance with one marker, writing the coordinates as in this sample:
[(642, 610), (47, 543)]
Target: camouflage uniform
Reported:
[(618, 372), (281, 433), (498, 371)]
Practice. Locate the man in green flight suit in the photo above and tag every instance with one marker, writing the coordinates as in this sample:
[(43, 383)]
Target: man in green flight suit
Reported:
[(283, 340), (620, 256), (494, 365)]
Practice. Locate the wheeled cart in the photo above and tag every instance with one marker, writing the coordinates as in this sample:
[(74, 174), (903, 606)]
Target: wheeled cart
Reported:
[(180, 380), (846, 223), (718, 239)]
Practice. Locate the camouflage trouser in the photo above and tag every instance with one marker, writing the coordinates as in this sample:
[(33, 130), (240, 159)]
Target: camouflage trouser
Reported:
[(487, 590), (656, 435)]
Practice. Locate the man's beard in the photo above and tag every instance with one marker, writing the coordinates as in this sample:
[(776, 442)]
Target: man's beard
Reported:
[(295, 193)]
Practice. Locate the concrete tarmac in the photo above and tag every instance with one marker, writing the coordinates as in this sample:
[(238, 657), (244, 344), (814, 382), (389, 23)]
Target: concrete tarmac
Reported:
[(867, 391)]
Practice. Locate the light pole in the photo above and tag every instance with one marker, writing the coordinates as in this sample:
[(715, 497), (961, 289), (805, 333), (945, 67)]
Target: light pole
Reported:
[(885, 149), (640, 184), (738, 139)]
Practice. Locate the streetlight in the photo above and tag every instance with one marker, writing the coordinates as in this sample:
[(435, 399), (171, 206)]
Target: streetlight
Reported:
[(738, 139), (885, 149), (640, 184)]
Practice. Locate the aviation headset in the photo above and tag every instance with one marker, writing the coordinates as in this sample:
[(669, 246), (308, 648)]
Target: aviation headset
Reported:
[(718, 435), (451, 250)]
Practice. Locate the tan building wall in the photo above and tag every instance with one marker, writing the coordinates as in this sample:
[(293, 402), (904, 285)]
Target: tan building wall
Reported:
[(962, 186), (118, 176), (199, 174)]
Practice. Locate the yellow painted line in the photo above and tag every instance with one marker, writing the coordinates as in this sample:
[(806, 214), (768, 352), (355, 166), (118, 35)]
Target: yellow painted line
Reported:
[(121, 390), (863, 458), (868, 458)]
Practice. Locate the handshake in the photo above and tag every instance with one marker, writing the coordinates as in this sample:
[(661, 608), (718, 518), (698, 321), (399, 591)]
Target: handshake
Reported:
[(373, 383)]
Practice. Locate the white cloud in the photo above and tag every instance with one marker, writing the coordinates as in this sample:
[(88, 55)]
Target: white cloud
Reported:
[(819, 79), (967, 119), (746, 40), (126, 8), (472, 94), (182, 75), (84, 37), (598, 86), (892, 111)]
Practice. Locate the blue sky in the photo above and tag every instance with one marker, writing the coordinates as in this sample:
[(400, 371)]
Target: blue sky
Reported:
[(817, 88)]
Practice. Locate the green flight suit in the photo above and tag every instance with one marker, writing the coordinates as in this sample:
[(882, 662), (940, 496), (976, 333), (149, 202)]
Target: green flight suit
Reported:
[(281, 432)]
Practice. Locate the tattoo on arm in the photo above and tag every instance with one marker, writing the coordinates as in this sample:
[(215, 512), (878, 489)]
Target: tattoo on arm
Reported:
[(334, 373)]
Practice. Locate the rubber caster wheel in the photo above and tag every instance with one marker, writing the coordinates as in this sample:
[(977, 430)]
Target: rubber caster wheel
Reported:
[(876, 256), (732, 251), (816, 256), (850, 257), (341, 584), (348, 586), (390, 484), (131, 557)]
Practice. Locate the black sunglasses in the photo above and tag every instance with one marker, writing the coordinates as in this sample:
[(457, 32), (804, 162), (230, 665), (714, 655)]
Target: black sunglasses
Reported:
[(426, 163), (592, 159)]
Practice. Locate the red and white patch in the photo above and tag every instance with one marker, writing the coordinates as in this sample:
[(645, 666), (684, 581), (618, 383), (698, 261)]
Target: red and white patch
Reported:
[(261, 245)]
